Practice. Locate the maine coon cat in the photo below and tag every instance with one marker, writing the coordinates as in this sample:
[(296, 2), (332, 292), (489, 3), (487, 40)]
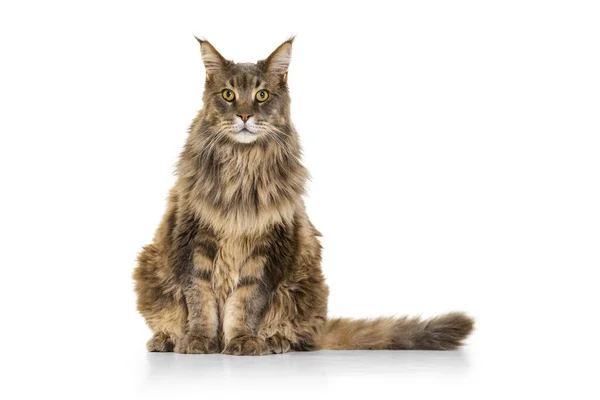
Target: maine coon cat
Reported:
[(235, 263)]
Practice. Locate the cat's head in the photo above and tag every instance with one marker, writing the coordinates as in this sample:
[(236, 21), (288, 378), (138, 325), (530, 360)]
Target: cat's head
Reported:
[(246, 102)]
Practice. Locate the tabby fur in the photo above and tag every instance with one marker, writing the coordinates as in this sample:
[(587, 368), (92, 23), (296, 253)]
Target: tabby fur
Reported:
[(235, 264)]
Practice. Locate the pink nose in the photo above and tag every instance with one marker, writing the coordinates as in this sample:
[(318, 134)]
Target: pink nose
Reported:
[(244, 117)]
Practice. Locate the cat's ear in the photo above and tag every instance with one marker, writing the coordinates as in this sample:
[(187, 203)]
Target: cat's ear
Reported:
[(279, 60), (214, 62)]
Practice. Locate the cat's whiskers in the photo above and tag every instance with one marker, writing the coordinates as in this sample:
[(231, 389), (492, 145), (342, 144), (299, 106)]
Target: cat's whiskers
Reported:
[(222, 131), (274, 133)]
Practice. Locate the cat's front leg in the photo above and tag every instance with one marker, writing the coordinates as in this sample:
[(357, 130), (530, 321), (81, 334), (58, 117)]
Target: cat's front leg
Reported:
[(292, 320), (242, 313), (192, 260), (296, 315), (200, 336)]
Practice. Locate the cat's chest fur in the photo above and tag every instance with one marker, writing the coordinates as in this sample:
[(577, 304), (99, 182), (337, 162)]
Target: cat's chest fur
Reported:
[(241, 191), (229, 266)]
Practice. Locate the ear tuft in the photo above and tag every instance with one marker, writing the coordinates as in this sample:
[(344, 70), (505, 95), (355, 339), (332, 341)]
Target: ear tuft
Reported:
[(213, 61), (279, 60)]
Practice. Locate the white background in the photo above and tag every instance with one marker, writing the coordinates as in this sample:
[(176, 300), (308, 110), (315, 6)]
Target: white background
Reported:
[(454, 149)]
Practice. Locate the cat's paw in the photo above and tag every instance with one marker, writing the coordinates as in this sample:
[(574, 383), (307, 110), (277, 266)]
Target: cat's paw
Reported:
[(247, 345), (160, 342), (278, 344), (191, 344)]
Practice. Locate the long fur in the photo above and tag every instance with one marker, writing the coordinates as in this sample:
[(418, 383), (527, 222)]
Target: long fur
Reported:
[(235, 265)]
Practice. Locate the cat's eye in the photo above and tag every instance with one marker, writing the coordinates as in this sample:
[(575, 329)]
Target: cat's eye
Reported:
[(262, 95), (228, 95)]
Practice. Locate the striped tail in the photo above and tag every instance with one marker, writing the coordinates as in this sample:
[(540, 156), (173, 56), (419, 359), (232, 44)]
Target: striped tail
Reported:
[(445, 332)]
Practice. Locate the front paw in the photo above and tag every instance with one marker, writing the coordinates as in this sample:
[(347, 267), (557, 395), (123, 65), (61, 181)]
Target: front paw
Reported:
[(191, 344), (278, 344), (246, 345)]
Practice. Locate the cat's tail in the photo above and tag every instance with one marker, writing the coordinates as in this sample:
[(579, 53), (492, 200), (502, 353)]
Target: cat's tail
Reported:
[(444, 332)]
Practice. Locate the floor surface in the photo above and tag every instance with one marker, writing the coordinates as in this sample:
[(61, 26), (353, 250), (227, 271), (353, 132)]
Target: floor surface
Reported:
[(473, 372)]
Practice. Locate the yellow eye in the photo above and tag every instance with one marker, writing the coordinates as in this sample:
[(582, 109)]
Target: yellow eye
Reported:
[(228, 95), (262, 95)]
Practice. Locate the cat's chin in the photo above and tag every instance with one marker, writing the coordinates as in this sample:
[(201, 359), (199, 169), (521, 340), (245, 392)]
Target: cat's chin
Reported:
[(244, 136)]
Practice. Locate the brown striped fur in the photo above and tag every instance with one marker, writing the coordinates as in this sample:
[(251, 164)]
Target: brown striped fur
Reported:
[(235, 263)]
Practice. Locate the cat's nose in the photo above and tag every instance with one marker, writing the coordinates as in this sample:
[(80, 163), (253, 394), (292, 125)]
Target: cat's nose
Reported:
[(245, 117)]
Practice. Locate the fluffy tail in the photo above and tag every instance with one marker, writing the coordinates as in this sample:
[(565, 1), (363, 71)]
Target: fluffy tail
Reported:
[(445, 332)]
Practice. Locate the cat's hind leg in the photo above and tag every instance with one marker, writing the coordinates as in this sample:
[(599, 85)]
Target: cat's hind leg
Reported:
[(160, 342), (159, 300)]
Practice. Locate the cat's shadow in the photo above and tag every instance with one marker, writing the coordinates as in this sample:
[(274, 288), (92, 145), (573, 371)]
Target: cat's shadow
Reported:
[(317, 367)]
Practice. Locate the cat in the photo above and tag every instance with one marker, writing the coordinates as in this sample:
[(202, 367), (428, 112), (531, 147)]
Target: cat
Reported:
[(234, 266)]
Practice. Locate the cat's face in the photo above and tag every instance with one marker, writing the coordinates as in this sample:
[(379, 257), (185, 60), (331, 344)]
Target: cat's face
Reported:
[(246, 103)]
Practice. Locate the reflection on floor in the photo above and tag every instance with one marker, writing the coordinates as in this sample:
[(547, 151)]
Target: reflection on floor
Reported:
[(319, 367)]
